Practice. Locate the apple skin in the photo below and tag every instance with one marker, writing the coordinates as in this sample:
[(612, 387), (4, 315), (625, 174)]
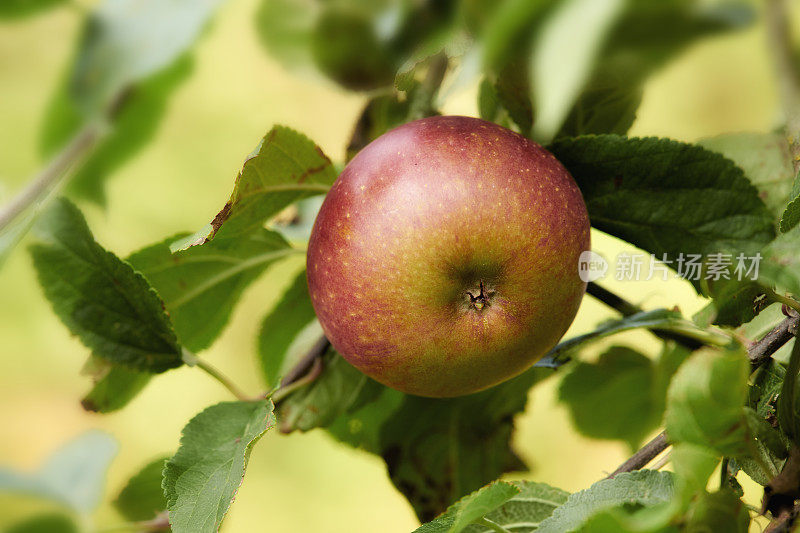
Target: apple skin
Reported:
[(444, 259)]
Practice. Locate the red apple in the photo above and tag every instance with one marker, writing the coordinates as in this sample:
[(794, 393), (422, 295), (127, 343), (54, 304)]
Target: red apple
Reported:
[(444, 259)]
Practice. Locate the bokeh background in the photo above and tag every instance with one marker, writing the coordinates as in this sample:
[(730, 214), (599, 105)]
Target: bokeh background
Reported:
[(236, 93)]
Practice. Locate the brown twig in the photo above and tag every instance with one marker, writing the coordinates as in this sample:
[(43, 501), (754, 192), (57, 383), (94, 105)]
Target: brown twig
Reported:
[(761, 351), (640, 459), (305, 364)]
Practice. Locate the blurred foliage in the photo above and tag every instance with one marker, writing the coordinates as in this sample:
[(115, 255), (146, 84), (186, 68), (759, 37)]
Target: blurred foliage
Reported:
[(571, 73)]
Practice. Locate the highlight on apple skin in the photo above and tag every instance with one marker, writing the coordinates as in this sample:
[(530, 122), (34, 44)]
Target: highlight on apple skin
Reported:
[(444, 259)]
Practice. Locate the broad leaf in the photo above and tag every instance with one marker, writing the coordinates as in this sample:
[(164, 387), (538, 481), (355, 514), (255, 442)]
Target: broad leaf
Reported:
[(470, 508), (705, 402), (644, 487), (201, 479), (142, 497), (615, 398), (563, 58), (284, 323), (766, 161), (134, 124), (73, 476), (285, 167), (201, 285), (114, 388), (666, 197), (341, 389), (734, 303), (100, 298)]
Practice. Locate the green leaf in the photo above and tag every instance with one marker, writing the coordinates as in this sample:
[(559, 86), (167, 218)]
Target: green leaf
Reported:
[(126, 41), (660, 319), (74, 475), (781, 262), (734, 303), (766, 161), (100, 298), (285, 28), (48, 523), (24, 8), (201, 285), (285, 322), (341, 389), (285, 167), (644, 487), (788, 410), (666, 197), (134, 124), (509, 26), (523, 512), (615, 398), (470, 508), (791, 215), (718, 511), (563, 58), (705, 402), (201, 479), (436, 450), (114, 389), (142, 497), (693, 465)]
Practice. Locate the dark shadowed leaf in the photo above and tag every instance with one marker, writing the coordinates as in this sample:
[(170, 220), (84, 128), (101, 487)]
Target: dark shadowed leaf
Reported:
[(284, 323), (201, 285), (436, 450), (645, 487), (734, 303), (99, 297), (114, 387), (201, 479), (340, 390), (74, 475), (285, 167), (666, 197), (142, 497)]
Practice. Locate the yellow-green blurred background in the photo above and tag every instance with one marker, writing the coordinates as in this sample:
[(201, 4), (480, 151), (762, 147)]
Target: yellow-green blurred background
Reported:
[(299, 483)]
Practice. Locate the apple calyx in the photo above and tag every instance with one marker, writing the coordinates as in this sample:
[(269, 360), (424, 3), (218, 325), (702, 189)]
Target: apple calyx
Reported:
[(482, 299)]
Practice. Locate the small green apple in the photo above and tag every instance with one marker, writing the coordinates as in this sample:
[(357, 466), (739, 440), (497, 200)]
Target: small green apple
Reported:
[(444, 259)]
